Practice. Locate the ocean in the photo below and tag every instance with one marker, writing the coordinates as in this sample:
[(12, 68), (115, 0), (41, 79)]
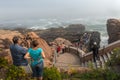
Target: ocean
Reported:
[(98, 24)]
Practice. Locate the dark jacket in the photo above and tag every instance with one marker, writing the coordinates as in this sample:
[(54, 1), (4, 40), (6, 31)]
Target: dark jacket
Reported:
[(95, 49), (17, 53)]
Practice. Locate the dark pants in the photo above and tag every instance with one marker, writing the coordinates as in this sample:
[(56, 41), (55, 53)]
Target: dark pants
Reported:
[(38, 70), (95, 55)]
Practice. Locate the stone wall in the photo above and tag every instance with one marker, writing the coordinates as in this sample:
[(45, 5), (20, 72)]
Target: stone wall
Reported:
[(76, 51)]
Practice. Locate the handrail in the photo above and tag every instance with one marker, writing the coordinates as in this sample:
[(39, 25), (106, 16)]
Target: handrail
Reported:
[(75, 50)]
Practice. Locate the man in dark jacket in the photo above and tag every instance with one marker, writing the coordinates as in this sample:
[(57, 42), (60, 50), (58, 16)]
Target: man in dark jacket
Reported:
[(18, 52), (95, 49)]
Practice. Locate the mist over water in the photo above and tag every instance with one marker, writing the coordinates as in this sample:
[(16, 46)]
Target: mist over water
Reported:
[(43, 14)]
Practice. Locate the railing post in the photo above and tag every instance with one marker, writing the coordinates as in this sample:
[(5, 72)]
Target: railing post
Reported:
[(90, 63), (109, 55), (85, 64), (102, 61), (98, 62), (55, 57), (105, 57)]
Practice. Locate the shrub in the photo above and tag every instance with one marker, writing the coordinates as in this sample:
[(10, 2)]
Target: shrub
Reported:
[(115, 58), (95, 74), (3, 63), (98, 74), (65, 75), (15, 73), (51, 74), (0, 49), (11, 72)]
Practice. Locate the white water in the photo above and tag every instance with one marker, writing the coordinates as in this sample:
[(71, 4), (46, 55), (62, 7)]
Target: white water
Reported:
[(90, 24)]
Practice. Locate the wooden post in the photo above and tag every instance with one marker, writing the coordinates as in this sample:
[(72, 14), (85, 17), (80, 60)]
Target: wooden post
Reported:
[(55, 57), (102, 61), (109, 55)]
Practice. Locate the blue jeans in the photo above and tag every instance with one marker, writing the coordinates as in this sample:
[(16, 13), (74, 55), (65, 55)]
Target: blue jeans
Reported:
[(38, 69)]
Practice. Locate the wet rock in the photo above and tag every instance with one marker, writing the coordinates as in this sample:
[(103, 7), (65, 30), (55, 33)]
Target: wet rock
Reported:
[(70, 33)]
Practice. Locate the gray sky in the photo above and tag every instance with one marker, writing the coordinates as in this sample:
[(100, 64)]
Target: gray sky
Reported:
[(15, 9)]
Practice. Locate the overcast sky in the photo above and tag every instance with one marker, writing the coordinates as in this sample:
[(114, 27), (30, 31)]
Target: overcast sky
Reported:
[(15, 9)]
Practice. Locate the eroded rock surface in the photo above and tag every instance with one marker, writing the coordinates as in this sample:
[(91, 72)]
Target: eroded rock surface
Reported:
[(113, 29)]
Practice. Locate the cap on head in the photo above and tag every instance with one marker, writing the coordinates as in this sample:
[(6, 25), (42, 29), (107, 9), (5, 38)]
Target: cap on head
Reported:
[(95, 43)]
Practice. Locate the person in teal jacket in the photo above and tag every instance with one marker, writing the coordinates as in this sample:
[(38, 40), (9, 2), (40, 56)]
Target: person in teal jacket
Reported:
[(37, 55)]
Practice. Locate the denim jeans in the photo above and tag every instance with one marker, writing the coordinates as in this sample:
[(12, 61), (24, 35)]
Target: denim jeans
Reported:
[(38, 69)]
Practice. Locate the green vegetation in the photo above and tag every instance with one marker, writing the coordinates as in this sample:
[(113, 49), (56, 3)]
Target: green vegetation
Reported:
[(115, 58), (98, 74), (3, 63), (0, 49), (114, 62), (11, 72), (51, 74), (14, 73)]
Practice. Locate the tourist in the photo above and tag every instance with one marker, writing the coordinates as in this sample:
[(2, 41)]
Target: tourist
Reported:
[(58, 49), (17, 53), (63, 47), (37, 55), (95, 49)]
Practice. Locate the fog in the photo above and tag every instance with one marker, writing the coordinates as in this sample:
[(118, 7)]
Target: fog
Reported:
[(23, 9)]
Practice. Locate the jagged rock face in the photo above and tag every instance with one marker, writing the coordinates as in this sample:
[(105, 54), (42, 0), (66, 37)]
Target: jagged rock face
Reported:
[(113, 29), (42, 44), (6, 37), (70, 33)]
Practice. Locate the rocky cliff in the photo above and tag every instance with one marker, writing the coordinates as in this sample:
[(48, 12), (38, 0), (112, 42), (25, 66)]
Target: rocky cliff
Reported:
[(42, 43), (113, 29), (70, 33), (6, 39)]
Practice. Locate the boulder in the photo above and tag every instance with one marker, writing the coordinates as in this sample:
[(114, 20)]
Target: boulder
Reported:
[(113, 29), (61, 41)]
